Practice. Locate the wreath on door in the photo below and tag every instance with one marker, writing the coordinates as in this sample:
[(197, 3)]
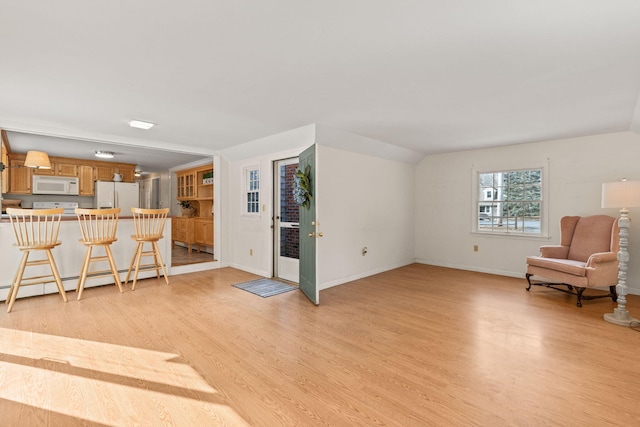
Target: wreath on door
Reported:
[(302, 187)]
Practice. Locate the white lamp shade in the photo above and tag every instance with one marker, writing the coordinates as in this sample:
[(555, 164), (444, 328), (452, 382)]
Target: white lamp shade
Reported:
[(623, 194), (37, 159)]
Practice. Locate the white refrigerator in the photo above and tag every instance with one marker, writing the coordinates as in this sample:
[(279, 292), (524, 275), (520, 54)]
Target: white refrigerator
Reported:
[(123, 195)]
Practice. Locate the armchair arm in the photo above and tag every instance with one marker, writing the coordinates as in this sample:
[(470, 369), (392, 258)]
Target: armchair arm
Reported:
[(602, 269), (597, 260), (554, 251)]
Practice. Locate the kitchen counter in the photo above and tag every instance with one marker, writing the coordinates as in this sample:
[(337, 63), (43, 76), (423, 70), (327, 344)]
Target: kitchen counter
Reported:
[(72, 217), (70, 254), (5, 218)]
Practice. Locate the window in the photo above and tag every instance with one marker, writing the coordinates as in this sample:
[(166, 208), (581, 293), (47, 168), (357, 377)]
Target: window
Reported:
[(510, 202), (252, 190)]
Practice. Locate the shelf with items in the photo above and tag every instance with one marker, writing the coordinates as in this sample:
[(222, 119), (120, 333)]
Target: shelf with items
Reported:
[(196, 185)]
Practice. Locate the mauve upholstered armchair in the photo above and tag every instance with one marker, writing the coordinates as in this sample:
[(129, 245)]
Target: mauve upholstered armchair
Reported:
[(585, 258)]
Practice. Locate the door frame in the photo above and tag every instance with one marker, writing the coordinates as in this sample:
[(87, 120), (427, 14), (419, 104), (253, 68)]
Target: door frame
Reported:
[(280, 269)]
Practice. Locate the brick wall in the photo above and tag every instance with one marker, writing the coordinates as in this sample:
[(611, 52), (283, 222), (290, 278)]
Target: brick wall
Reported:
[(289, 212)]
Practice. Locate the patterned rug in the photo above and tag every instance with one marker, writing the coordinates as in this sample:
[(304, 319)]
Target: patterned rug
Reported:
[(265, 287)]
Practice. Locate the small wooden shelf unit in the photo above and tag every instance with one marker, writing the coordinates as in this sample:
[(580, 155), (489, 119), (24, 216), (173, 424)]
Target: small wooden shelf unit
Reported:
[(197, 229)]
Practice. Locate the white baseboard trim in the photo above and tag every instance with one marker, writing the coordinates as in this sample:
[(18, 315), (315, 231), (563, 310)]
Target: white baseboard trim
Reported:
[(520, 275), (351, 278), (261, 273)]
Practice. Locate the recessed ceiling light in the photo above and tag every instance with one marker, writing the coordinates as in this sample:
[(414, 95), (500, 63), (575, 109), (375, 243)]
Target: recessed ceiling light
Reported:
[(140, 124), (105, 154)]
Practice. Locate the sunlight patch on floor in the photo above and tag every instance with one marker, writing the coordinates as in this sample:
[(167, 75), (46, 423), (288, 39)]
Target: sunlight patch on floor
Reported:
[(48, 372)]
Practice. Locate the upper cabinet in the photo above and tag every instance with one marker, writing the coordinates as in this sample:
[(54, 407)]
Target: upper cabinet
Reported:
[(196, 185), (4, 158), (86, 175), (88, 171), (59, 169), (186, 184), (19, 176)]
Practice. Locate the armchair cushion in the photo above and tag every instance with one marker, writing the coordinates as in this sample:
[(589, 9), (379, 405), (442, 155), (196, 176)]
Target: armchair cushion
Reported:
[(570, 266), (592, 234)]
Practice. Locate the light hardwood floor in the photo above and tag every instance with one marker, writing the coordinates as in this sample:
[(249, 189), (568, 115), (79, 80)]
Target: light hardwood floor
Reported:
[(181, 256), (420, 345)]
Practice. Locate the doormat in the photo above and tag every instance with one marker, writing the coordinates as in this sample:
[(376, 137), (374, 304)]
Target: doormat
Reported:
[(265, 287)]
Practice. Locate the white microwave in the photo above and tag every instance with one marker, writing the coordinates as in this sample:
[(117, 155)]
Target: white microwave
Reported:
[(55, 185)]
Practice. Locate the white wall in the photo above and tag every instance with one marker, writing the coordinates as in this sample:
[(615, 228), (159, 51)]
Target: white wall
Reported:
[(577, 169), (363, 201), (250, 238)]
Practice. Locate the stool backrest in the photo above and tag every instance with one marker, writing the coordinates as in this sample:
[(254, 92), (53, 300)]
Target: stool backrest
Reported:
[(35, 227), (149, 223), (98, 224)]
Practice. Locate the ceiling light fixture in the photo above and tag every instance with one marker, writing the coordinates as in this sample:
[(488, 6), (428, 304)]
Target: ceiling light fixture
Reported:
[(141, 125), (105, 154)]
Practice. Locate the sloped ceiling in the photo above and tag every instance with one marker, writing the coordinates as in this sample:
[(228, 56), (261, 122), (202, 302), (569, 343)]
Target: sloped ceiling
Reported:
[(430, 76)]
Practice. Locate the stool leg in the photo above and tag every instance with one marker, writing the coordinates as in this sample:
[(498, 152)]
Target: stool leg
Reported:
[(133, 262), (155, 259), (138, 258), (84, 272), (114, 269), (156, 250), (15, 279), (56, 275), (18, 278)]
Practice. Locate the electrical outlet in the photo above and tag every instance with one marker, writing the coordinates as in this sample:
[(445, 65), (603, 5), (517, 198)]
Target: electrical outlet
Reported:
[(475, 248)]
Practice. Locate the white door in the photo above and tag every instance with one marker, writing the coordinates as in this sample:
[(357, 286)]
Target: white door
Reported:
[(286, 222)]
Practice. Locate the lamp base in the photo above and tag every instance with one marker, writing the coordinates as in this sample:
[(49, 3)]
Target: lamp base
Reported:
[(620, 318)]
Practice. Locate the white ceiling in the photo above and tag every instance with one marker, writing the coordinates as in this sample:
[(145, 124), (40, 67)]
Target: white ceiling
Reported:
[(431, 76)]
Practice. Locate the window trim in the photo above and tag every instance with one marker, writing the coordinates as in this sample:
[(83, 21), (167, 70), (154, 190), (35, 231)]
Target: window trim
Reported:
[(544, 198), (246, 171)]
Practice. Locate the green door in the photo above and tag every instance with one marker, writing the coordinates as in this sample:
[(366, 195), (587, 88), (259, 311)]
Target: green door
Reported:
[(307, 281)]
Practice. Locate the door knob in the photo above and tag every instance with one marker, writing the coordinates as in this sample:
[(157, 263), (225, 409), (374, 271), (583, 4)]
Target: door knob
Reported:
[(312, 234)]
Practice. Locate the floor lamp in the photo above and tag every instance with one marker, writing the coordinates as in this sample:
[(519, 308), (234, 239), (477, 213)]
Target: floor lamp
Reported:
[(623, 195)]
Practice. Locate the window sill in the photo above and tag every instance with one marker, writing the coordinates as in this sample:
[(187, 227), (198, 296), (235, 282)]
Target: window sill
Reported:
[(541, 237)]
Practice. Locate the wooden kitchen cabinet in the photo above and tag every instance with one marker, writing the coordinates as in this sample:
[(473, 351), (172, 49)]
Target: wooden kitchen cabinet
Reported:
[(46, 172), (196, 186), (203, 231), (19, 177), (88, 171), (128, 174), (85, 173), (105, 172), (192, 186), (59, 169), (4, 158), (182, 230), (186, 184), (66, 169)]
